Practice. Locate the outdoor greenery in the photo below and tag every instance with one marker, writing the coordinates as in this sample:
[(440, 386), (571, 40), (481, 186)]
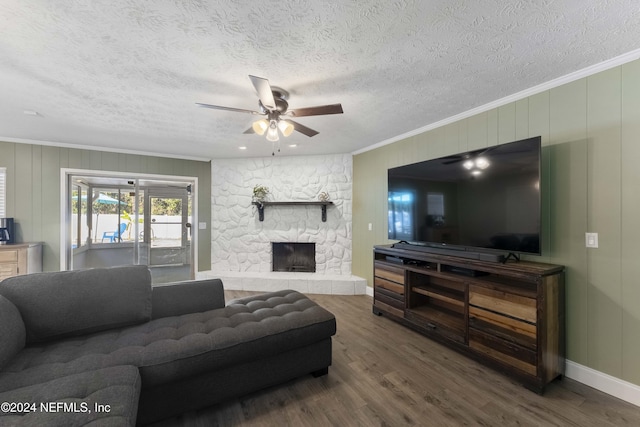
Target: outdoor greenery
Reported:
[(159, 206)]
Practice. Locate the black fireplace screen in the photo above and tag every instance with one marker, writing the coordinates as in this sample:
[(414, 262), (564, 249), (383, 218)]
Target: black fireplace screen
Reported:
[(293, 256)]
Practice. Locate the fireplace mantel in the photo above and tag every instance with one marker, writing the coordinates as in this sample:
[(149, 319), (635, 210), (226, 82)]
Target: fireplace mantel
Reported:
[(262, 205)]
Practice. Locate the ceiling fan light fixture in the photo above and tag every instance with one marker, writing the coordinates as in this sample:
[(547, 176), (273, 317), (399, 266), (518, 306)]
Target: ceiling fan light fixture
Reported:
[(260, 126), (468, 164), (272, 132), (285, 127)]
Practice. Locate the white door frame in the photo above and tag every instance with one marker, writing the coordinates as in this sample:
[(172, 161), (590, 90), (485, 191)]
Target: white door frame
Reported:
[(65, 219)]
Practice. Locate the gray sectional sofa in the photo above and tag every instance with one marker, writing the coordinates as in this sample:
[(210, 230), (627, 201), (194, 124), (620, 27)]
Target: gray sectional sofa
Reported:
[(103, 347)]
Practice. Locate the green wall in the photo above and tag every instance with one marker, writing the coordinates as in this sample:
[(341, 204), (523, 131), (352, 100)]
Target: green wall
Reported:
[(33, 190), (590, 132)]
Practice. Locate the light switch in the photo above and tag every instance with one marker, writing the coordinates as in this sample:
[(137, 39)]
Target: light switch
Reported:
[(202, 225), (370, 226), (591, 240)]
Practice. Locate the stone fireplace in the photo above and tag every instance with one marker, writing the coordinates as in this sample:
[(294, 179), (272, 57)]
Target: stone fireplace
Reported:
[(241, 244), (293, 257)]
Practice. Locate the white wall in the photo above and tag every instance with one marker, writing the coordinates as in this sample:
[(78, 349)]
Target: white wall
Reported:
[(241, 243)]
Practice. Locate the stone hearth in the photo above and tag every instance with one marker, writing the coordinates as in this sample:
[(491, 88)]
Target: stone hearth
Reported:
[(311, 283)]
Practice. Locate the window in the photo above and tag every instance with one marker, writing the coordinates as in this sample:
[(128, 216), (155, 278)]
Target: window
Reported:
[(435, 209), (3, 192), (401, 205)]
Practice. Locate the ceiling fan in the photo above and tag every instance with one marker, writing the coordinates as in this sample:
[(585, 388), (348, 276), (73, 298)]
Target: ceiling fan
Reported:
[(273, 104)]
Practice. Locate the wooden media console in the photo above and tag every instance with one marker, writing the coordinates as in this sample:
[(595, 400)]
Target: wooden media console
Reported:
[(509, 316)]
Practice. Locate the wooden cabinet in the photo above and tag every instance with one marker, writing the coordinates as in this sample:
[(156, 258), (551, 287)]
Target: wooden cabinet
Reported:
[(21, 258), (509, 316), (388, 288)]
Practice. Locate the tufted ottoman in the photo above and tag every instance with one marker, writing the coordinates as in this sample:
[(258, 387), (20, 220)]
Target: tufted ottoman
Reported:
[(185, 361)]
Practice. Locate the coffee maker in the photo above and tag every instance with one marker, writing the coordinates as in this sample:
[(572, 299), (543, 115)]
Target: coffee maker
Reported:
[(7, 234)]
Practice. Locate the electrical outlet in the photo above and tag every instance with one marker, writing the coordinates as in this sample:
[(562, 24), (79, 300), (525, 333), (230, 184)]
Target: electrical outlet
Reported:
[(591, 240)]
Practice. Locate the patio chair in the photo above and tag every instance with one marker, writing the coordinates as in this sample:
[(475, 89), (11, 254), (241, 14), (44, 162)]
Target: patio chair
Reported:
[(114, 235)]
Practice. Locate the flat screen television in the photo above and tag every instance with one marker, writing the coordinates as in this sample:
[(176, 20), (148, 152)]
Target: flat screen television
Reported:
[(485, 200)]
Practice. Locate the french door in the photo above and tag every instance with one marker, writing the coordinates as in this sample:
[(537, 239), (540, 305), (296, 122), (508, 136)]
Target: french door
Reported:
[(166, 231), (116, 219)]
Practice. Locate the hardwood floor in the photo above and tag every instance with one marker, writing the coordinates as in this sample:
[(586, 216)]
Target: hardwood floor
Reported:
[(384, 374)]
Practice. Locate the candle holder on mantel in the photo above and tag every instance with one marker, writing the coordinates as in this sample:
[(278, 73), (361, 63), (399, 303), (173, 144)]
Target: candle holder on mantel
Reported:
[(324, 197)]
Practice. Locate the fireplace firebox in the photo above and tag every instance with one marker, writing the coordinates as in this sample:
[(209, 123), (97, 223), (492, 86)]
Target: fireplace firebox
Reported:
[(293, 256)]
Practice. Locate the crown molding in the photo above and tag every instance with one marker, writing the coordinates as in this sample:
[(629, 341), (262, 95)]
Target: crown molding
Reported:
[(577, 75), (99, 148)]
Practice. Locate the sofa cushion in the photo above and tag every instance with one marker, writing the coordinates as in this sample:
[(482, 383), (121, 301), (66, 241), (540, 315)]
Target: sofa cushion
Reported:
[(12, 332), (73, 400), (173, 348), (66, 303)]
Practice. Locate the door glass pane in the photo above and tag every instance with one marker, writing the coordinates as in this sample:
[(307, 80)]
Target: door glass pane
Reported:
[(166, 222), (110, 212), (79, 226)]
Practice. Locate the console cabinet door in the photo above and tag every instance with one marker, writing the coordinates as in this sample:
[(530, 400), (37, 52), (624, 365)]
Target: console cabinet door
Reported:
[(389, 288), (503, 326)]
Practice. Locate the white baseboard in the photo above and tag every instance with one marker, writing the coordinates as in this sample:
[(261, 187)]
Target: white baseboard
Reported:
[(369, 291), (605, 383)]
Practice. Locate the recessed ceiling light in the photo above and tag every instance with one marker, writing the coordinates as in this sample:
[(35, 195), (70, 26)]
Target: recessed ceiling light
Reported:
[(242, 148), (31, 113), (293, 145)]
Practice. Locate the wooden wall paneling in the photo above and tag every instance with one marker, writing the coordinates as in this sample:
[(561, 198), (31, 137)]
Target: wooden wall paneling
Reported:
[(522, 119), (492, 127), (75, 159), (507, 123), (109, 160), (153, 164), (477, 131), (165, 166), (568, 205), (408, 153), (367, 181), (204, 215), (35, 232), (463, 135), (630, 220), (604, 200), (95, 159), (451, 139), (133, 162), (538, 124), (23, 209), (539, 111), (424, 148), (7, 156), (436, 143), (55, 158)]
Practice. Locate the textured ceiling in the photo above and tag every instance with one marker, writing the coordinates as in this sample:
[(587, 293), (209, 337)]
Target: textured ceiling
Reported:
[(126, 74)]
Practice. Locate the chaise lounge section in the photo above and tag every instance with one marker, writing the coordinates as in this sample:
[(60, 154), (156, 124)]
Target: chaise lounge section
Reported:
[(103, 339)]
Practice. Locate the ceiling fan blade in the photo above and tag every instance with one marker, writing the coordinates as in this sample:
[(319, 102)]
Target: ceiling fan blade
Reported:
[(303, 129), (249, 131), (264, 92), (317, 111), (218, 107)]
